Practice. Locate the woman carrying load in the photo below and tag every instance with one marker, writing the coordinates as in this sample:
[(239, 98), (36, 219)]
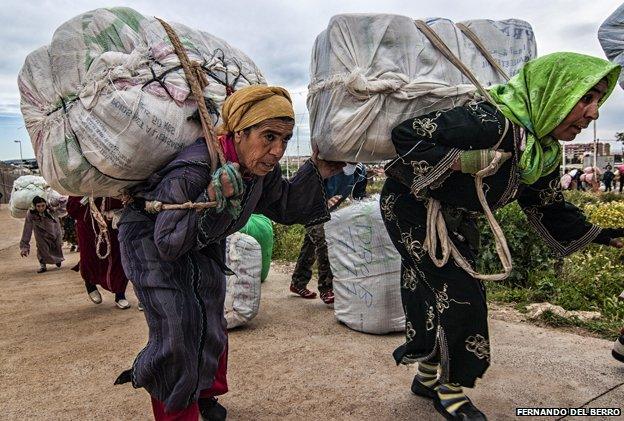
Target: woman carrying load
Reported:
[(107, 270), (515, 139), (175, 258), (48, 235)]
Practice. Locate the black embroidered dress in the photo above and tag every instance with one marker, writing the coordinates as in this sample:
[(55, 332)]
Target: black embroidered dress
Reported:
[(445, 308)]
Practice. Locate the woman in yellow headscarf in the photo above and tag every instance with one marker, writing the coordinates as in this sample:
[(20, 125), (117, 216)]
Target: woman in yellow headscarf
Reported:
[(175, 258)]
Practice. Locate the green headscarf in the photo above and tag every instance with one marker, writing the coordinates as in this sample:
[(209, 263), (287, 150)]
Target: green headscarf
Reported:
[(542, 95)]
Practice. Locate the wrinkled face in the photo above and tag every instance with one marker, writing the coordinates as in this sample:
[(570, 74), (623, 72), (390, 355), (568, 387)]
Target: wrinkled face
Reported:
[(261, 148), (582, 114), (40, 207)]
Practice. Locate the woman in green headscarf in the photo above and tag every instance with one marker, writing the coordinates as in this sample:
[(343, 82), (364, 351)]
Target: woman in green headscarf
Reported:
[(551, 99)]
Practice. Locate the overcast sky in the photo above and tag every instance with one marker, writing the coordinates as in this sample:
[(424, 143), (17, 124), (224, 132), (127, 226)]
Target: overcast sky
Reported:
[(278, 36)]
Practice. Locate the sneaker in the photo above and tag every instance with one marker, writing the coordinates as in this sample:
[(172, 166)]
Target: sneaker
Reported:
[(95, 296), (465, 412), (303, 292), (618, 348), (122, 303), (211, 410), (328, 296)]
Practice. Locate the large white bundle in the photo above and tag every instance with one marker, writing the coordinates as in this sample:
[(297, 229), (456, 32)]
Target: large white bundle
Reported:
[(366, 269), (97, 118), (242, 296), (611, 37), (26, 187), (370, 72)]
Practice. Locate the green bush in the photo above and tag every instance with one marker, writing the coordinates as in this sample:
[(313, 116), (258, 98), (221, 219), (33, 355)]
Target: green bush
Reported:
[(288, 240), (529, 253)]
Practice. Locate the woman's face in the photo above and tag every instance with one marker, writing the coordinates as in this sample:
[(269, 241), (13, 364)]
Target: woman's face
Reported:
[(40, 207), (262, 148), (582, 114)]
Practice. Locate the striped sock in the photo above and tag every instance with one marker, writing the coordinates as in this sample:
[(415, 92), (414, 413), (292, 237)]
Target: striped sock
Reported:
[(427, 375), (451, 397)]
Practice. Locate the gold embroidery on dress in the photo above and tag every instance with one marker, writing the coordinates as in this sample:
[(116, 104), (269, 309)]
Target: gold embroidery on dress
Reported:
[(430, 316), (414, 247), (442, 299), (479, 346), (387, 207), (425, 127), (421, 168), (410, 332), (410, 279), (552, 194)]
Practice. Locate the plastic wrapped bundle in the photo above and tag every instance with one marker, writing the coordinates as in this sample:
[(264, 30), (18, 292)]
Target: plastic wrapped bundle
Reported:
[(366, 269), (611, 37), (26, 188), (106, 103), (370, 72), (242, 296)]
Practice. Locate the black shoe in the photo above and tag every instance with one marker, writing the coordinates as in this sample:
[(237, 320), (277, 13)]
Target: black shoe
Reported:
[(211, 410), (42, 269), (421, 390), (466, 412), (58, 265)]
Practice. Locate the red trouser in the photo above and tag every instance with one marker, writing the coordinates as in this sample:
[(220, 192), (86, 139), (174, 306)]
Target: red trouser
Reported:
[(191, 413)]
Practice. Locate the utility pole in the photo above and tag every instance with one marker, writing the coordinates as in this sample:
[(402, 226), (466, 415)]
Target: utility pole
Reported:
[(595, 144), (20, 146)]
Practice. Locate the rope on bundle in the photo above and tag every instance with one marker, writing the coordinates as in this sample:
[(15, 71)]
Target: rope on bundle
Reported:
[(197, 81), (436, 226), (102, 236), (484, 51)]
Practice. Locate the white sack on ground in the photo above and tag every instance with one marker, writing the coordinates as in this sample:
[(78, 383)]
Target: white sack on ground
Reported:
[(242, 296), (366, 268), (370, 72), (106, 104), (26, 188), (611, 37)]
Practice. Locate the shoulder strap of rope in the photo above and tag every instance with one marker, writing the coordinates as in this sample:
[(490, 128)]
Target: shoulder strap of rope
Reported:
[(197, 81), (437, 42), (469, 33), (436, 226)]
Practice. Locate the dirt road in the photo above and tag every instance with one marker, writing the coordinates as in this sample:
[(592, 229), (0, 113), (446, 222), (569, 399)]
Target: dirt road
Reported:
[(59, 356)]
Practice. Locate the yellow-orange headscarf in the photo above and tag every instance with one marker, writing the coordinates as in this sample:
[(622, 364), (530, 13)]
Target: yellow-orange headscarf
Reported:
[(253, 104)]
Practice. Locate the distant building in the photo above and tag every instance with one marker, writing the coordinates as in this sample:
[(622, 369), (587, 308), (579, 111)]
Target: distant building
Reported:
[(578, 150)]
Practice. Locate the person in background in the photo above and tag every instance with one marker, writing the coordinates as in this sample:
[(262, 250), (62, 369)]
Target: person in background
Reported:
[(607, 178), (48, 235), (351, 182), (621, 172), (69, 232), (107, 272)]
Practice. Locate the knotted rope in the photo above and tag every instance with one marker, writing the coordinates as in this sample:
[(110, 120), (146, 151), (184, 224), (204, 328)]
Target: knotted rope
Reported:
[(102, 236), (436, 226), (197, 81)]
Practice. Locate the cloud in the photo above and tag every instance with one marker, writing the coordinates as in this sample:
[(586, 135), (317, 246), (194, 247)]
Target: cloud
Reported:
[(278, 34)]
